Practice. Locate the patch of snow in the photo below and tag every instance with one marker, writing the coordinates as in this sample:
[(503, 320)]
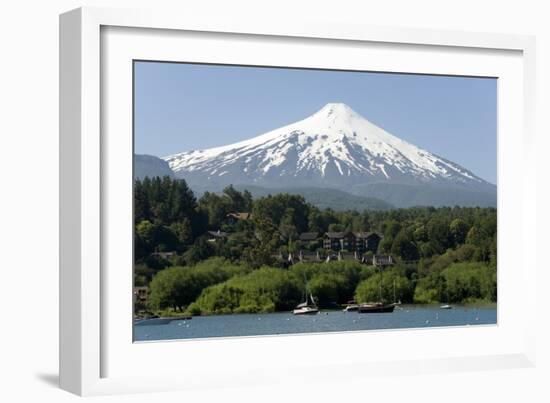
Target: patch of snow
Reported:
[(383, 170), (338, 166)]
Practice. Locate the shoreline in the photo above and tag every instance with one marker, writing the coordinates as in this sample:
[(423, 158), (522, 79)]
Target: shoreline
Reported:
[(184, 316)]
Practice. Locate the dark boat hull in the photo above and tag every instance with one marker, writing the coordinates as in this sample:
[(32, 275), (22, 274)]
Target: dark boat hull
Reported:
[(376, 309)]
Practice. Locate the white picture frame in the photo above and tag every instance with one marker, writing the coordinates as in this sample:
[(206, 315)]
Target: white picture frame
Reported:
[(96, 355)]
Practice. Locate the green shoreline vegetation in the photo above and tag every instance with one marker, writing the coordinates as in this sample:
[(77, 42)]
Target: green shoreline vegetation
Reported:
[(441, 255)]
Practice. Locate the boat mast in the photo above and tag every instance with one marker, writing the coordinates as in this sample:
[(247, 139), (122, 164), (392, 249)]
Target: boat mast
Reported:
[(306, 289), (380, 286)]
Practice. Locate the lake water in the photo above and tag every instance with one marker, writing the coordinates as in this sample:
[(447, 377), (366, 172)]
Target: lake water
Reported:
[(326, 321)]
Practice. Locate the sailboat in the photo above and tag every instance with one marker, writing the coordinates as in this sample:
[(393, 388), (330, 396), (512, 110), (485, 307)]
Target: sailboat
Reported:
[(446, 305), (307, 307), (378, 307)]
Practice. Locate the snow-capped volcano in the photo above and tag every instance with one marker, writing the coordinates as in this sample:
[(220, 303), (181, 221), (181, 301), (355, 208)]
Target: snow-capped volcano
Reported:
[(336, 143), (333, 148)]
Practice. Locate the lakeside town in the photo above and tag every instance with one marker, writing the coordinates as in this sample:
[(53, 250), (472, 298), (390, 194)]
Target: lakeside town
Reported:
[(229, 253)]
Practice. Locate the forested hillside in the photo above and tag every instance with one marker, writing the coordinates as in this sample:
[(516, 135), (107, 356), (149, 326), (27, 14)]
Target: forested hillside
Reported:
[(440, 253)]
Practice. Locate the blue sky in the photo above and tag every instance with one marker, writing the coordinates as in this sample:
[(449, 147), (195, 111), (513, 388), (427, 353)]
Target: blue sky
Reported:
[(181, 107)]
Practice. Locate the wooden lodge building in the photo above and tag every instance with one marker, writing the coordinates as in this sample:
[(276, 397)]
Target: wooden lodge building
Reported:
[(361, 242), (317, 257), (339, 241), (336, 246), (340, 246)]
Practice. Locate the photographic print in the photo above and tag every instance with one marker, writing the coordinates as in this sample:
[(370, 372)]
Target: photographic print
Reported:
[(272, 200)]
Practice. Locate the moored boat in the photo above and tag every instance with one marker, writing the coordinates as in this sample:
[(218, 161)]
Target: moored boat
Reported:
[(308, 307), (376, 307), (305, 310), (351, 306)]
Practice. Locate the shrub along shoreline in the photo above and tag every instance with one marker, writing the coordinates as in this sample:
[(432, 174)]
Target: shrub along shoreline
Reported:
[(219, 286)]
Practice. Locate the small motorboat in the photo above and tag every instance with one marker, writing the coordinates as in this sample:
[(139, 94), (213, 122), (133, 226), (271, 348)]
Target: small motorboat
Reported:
[(446, 306)]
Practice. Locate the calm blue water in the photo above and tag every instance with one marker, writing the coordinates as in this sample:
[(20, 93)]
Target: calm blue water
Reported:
[(330, 321)]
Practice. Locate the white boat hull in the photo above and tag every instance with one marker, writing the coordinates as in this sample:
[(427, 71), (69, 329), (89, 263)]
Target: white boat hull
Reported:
[(307, 310)]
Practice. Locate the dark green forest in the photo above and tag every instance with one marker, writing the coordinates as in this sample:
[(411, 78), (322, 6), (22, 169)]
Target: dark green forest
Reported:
[(440, 254)]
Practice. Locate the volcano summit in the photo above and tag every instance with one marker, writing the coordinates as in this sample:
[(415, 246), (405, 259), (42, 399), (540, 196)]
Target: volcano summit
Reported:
[(336, 148)]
